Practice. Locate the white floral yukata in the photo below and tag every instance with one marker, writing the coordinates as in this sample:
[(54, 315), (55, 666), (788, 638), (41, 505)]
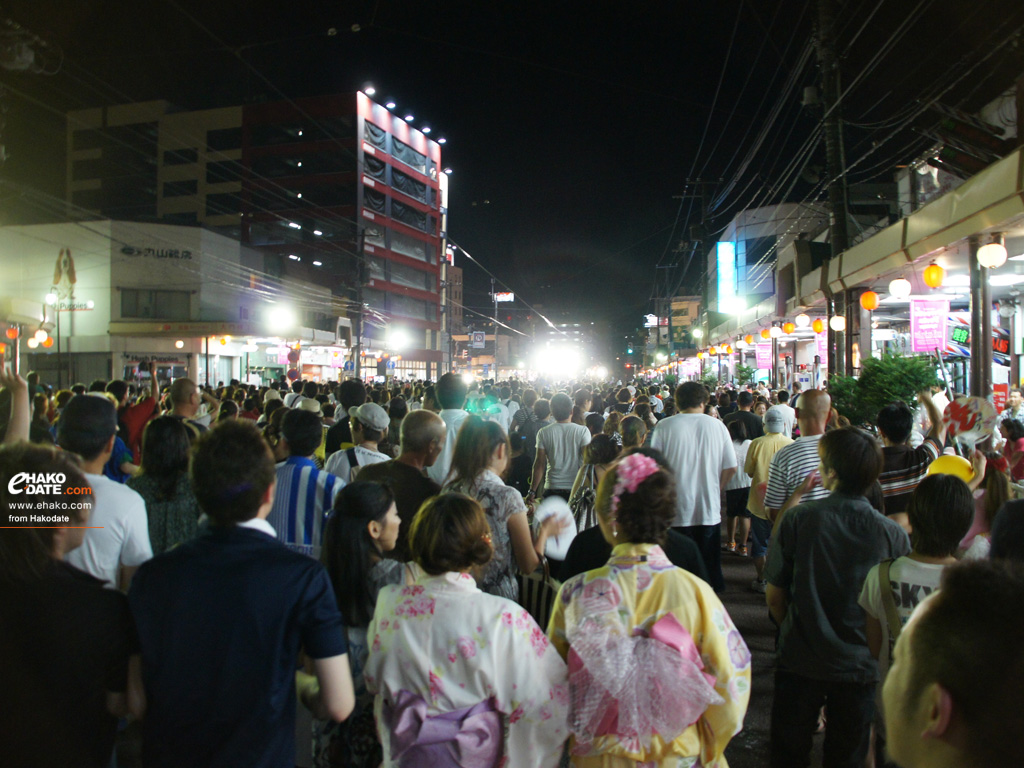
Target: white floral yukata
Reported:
[(447, 643), (630, 605)]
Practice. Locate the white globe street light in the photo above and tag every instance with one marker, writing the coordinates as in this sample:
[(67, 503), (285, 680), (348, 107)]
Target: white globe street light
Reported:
[(837, 323)]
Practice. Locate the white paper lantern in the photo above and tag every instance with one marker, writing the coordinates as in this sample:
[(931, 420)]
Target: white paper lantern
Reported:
[(837, 323), (802, 320), (900, 288), (992, 255), (775, 332)]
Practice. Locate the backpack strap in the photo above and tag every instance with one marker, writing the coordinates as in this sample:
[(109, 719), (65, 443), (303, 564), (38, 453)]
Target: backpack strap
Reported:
[(352, 460), (892, 617)]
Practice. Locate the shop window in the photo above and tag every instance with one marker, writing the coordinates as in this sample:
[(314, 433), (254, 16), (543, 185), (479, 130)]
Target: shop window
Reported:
[(140, 303)]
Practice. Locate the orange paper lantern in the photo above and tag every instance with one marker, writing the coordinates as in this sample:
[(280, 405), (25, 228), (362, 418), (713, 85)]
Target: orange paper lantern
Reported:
[(934, 275), (12, 333), (869, 300), (818, 325), (749, 338), (48, 342), (713, 350), (765, 333), (728, 349), (700, 355), (788, 327)]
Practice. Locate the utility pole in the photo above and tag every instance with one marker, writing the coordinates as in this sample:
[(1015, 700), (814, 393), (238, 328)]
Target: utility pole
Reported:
[(357, 347), (838, 361)]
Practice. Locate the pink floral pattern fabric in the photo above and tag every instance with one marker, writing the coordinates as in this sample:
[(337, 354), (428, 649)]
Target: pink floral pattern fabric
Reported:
[(454, 646), (638, 587)]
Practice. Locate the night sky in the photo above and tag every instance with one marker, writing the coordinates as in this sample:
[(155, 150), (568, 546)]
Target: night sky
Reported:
[(570, 126)]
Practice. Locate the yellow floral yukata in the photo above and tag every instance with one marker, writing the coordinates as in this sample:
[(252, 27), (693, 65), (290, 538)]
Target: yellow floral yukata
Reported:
[(623, 605)]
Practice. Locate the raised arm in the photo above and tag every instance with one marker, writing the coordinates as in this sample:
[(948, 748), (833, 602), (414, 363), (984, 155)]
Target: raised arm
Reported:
[(21, 412)]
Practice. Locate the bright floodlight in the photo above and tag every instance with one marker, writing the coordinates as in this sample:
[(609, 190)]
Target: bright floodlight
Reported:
[(442, 140), (369, 90), (399, 340), (391, 105), (51, 298), (601, 372), (448, 171), (558, 362), (281, 318), (697, 333), (409, 118), (317, 232), (426, 129), (469, 378)]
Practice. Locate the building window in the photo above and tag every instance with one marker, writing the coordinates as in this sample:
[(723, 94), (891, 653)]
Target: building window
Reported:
[(180, 188), (159, 305), (227, 170), (224, 138), (181, 156)]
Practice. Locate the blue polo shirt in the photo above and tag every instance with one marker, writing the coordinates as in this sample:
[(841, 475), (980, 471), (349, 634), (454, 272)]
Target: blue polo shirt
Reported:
[(221, 620)]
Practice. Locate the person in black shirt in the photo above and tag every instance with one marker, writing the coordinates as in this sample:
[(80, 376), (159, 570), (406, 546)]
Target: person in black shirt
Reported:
[(65, 639), (351, 394), (745, 415)]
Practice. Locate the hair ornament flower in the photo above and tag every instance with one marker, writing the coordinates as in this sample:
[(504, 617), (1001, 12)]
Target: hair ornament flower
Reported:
[(630, 472)]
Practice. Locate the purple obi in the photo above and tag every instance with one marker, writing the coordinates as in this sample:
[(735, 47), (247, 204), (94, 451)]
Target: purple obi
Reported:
[(466, 738)]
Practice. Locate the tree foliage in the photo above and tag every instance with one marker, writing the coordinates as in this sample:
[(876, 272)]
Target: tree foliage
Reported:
[(745, 374), (882, 381)]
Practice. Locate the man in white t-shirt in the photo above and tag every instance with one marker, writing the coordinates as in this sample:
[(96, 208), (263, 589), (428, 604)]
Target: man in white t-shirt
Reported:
[(559, 451), (451, 394), (700, 451), (119, 543), (788, 414), (369, 423)]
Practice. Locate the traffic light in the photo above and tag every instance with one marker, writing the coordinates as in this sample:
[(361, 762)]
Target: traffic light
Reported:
[(629, 350)]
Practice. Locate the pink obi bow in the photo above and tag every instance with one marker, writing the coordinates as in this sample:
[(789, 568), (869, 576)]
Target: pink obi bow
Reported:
[(470, 738), (638, 686)]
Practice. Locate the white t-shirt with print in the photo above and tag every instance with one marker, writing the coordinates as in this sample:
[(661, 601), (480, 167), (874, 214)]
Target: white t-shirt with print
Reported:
[(912, 582)]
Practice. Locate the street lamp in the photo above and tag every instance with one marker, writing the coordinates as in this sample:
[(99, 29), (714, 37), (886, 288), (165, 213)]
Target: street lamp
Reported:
[(53, 300)]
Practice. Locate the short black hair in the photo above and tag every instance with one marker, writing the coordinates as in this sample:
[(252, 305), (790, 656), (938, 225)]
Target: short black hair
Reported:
[(783, 396), (451, 391), (303, 430), (232, 468), (1014, 429), (896, 420), (691, 394), (745, 399), (854, 455), (86, 425), (941, 511), (1008, 532), (118, 388)]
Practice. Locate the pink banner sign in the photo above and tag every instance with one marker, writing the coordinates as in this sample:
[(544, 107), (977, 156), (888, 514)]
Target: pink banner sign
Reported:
[(822, 342), (764, 355), (928, 324)]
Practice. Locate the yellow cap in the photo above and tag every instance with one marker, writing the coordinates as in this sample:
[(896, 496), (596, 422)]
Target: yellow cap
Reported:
[(952, 465)]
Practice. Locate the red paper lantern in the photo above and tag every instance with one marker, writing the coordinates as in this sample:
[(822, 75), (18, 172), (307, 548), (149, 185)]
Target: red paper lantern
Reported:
[(818, 325), (869, 300), (788, 328), (934, 275)]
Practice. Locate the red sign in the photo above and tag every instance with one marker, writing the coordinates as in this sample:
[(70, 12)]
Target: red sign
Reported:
[(999, 394)]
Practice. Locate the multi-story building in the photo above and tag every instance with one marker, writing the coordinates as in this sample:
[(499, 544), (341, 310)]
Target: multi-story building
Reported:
[(334, 190), (114, 296)]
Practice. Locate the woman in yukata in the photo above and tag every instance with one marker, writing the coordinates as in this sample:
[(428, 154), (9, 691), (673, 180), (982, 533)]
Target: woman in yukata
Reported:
[(658, 673), (461, 677)]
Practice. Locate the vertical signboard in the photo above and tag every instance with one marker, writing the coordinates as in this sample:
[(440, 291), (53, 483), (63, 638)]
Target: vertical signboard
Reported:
[(764, 355), (928, 324)]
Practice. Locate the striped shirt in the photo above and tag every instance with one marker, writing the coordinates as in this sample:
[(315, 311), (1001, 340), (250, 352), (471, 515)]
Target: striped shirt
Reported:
[(303, 499), (903, 471), (788, 470)]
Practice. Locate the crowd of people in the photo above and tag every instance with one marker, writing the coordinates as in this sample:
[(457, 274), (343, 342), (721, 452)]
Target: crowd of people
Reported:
[(236, 556)]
